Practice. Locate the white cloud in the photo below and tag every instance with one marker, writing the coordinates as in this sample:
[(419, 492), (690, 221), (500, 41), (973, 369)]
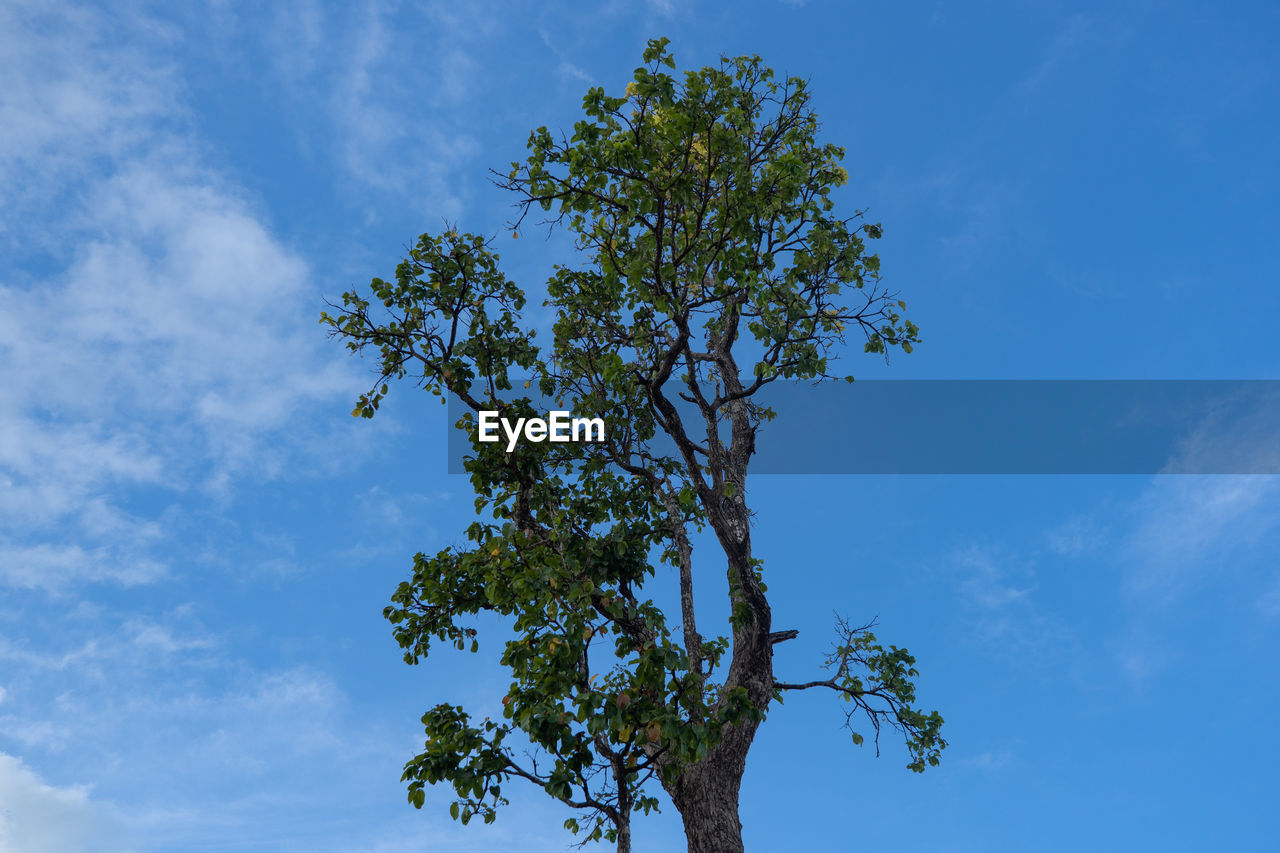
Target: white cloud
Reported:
[(174, 336), (141, 701), (69, 98), (203, 314), (178, 339), (56, 568), (92, 647), (36, 817), (152, 638)]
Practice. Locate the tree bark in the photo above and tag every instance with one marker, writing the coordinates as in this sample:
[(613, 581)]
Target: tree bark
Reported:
[(706, 793), (622, 812), (706, 796)]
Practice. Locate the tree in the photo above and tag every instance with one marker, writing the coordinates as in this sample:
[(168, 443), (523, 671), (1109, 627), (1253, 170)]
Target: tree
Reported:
[(711, 266)]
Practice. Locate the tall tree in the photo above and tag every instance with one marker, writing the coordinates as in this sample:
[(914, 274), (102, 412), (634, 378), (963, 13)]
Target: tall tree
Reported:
[(710, 264)]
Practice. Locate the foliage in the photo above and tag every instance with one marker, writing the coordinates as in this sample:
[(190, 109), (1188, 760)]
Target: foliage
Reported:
[(702, 212)]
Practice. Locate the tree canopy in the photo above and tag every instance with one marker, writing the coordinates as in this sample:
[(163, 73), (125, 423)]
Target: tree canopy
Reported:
[(710, 262)]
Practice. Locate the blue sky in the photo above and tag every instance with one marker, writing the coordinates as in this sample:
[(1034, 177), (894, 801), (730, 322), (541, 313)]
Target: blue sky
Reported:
[(197, 540)]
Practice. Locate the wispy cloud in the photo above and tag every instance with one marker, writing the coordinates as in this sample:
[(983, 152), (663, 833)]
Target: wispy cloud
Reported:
[(397, 87), (59, 568), (997, 591), (69, 99), (989, 760), (161, 344), (134, 704), (1188, 529), (1181, 547), (567, 68), (1269, 601), (664, 8), (1065, 43), (1083, 534)]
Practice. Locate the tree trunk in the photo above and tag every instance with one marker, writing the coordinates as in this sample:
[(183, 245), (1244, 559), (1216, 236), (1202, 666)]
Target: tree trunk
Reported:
[(707, 798), (706, 793), (621, 813)]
